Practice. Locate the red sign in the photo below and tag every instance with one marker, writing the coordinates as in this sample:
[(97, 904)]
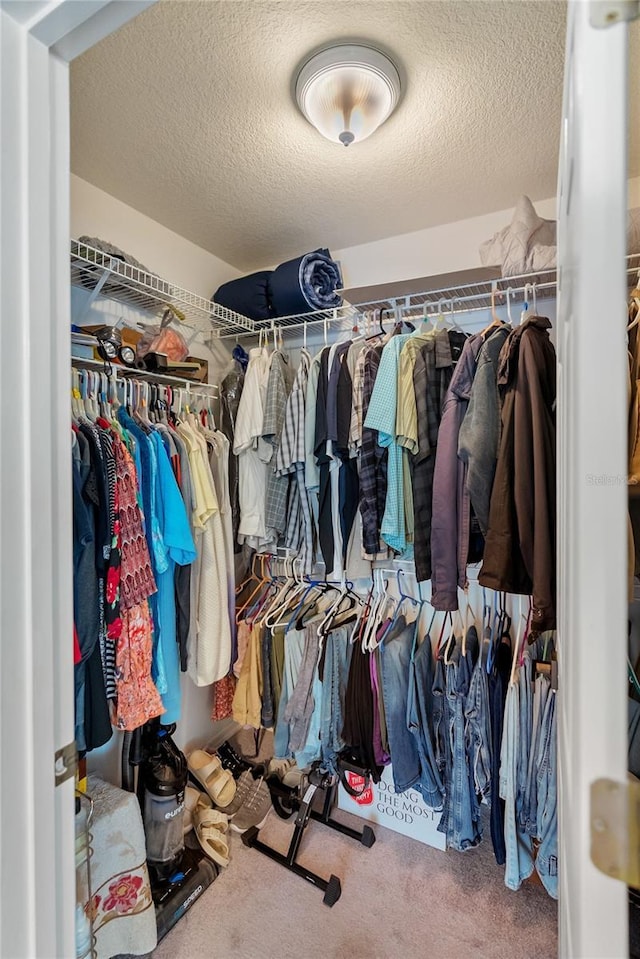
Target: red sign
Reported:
[(357, 782)]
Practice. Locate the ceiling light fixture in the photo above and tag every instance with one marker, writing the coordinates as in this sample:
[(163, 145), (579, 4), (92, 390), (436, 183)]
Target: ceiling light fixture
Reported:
[(347, 91)]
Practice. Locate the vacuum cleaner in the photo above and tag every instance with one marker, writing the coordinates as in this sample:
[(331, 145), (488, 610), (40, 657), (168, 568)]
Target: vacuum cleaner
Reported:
[(156, 770)]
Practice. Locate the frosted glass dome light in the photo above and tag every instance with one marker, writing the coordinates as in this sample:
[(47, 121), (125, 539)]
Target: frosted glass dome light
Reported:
[(347, 91)]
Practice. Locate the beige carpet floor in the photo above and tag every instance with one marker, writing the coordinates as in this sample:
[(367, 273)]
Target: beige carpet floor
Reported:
[(400, 900)]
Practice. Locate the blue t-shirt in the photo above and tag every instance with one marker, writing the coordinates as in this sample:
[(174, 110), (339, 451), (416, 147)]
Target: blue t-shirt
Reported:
[(178, 547)]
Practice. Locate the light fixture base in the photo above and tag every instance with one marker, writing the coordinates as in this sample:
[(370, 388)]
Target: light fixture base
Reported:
[(346, 91)]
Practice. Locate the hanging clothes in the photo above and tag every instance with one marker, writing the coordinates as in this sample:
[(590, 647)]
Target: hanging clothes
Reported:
[(230, 394), (301, 535), (451, 515), (381, 416), (252, 468), (279, 386), (479, 435), (209, 655), (432, 373), (519, 553), (373, 463)]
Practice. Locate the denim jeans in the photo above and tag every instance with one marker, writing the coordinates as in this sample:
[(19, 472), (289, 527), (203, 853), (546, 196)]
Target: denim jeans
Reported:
[(541, 690), (441, 737), (477, 716), (519, 858), (547, 806), (395, 659), (525, 699), (498, 684), (419, 713), (266, 716), (463, 828), (334, 683), (293, 648)]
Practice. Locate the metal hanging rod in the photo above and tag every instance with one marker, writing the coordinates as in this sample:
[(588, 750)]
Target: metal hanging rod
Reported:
[(125, 373)]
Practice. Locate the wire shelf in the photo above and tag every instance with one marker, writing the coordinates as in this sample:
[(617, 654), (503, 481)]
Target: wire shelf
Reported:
[(111, 277), (465, 298), (108, 276)]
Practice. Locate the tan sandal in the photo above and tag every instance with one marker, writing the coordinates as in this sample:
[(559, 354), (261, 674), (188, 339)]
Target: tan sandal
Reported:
[(210, 826), (217, 782), (193, 800)]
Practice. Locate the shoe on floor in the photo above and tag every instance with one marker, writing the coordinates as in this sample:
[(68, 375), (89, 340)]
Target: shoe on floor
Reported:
[(193, 800), (217, 782), (255, 805), (287, 772), (210, 827), (231, 760)]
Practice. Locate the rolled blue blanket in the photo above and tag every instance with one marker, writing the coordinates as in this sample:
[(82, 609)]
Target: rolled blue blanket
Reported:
[(248, 295), (307, 283)]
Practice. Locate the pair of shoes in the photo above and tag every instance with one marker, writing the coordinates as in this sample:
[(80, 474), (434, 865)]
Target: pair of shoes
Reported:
[(210, 826), (217, 782), (287, 771), (194, 801), (252, 803), (230, 760)]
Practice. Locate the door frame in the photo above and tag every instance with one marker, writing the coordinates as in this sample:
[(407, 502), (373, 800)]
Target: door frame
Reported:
[(592, 467), (37, 862)]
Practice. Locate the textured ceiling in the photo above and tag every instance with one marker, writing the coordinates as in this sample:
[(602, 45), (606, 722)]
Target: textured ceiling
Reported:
[(186, 114)]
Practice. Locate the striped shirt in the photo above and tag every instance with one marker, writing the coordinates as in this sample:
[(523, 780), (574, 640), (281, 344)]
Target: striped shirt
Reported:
[(381, 416), (300, 534), (292, 447), (278, 389)]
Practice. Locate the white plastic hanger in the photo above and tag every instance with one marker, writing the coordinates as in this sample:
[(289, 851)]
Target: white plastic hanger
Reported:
[(75, 394), (509, 316), (528, 297)]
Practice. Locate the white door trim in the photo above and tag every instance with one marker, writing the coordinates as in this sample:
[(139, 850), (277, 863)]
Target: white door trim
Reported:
[(592, 470), (37, 871)]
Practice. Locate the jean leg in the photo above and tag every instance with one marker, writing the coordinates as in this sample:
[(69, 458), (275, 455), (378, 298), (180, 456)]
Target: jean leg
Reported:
[(395, 658), (430, 786), (519, 857), (547, 818), (530, 809), (524, 739), (328, 756), (464, 829)]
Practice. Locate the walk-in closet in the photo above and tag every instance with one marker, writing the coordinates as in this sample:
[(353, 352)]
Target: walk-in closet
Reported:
[(319, 378)]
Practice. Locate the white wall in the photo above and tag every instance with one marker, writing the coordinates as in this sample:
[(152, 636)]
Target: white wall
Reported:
[(439, 249), (96, 213)]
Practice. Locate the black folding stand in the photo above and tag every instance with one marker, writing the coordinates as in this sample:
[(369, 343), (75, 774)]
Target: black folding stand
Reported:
[(331, 887)]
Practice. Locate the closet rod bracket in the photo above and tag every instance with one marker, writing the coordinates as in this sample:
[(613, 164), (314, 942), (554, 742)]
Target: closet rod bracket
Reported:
[(606, 13), (615, 829), (66, 763)]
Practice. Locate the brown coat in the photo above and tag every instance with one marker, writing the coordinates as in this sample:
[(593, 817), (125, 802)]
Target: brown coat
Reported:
[(520, 549)]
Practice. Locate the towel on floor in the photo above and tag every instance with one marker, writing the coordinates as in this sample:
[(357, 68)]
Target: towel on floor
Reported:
[(248, 295), (124, 920), (307, 283)]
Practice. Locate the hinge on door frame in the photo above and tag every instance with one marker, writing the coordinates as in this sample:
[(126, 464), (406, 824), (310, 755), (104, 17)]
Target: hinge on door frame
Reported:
[(66, 763), (605, 13), (615, 829)]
